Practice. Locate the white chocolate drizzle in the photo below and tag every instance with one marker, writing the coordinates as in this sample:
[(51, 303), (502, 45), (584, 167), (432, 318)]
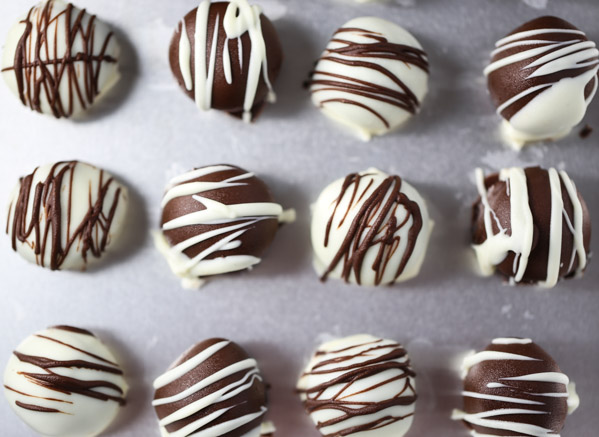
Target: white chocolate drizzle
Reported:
[(240, 18), (239, 219), (499, 244), (494, 418), (249, 373)]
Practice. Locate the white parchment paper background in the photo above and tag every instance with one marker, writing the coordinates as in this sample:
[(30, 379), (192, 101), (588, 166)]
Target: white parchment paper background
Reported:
[(148, 130)]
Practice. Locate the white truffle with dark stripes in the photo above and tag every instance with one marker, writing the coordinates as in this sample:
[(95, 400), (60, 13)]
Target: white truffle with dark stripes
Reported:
[(63, 382), (371, 78), (59, 59), (370, 228), (217, 219), (542, 77), (214, 389), (360, 385), (531, 225), (514, 388), (66, 215)]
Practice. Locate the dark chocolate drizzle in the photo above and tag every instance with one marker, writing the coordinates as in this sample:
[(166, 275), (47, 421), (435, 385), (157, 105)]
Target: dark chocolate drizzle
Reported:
[(68, 385), (49, 379), (355, 373), (36, 408), (371, 227), (380, 48), (91, 235), (38, 69)]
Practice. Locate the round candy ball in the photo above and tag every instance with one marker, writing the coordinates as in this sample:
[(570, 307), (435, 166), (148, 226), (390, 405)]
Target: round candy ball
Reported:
[(371, 78), (64, 382), (217, 219), (66, 215), (214, 389), (360, 385), (515, 388), (531, 225), (370, 228), (59, 59), (226, 56), (542, 77)]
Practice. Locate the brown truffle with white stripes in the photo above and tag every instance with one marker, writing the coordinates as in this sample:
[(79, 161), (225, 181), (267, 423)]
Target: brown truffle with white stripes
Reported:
[(359, 385), (217, 219), (59, 59), (214, 389), (63, 382), (542, 77), (370, 228), (371, 78), (531, 225), (226, 56), (514, 388)]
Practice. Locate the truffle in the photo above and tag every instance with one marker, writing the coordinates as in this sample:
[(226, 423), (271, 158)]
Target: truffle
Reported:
[(60, 60), (514, 388), (226, 56), (360, 385), (372, 77), (370, 228), (64, 382), (217, 219), (66, 215), (542, 77), (213, 389), (531, 225)]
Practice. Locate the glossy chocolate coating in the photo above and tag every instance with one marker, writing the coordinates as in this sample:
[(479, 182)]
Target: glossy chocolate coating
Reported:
[(249, 403), (253, 242), (511, 80), (490, 388), (539, 192), (226, 96)]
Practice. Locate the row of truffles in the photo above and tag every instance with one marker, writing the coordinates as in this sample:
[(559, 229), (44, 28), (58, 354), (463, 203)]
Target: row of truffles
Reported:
[(530, 225), (63, 382), (371, 78)]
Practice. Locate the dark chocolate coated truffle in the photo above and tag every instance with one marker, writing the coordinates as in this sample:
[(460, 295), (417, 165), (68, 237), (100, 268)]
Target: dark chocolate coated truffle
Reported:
[(514, 388), (214, 386), (531, 225), (215, 220), (237, 63), (542, 77)]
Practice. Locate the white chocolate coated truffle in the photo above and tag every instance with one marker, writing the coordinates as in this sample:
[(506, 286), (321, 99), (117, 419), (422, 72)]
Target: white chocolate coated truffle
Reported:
[(66, 215), (372, 77), (360, 386), (64, 382), (370, 228), (59, 65)]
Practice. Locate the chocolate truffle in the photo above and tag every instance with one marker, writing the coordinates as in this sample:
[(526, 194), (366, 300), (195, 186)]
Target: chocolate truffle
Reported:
[(514, 388), (60, 60), (531, 225), (64, 382), (226, 56), (542, 77), (66, 215), (372, 77), (217, 219), (370, 228), (213, 389), (360, 385)]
